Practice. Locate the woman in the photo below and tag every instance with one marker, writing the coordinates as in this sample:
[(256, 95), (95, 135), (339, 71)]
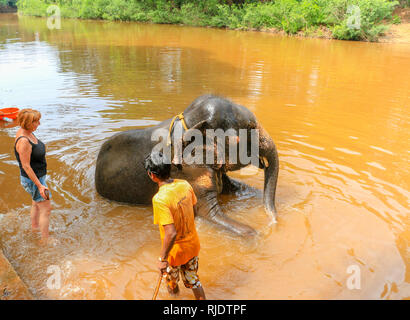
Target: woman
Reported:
[(31, 156)]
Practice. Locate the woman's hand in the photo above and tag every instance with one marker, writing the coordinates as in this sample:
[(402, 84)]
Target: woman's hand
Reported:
[(42, 190)]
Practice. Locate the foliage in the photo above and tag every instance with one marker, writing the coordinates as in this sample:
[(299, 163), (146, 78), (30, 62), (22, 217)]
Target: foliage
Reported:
[(404, 3), (292, 16), (11, 3), (372, 12)]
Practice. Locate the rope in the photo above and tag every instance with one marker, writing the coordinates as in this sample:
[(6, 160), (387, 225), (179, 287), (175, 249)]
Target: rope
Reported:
[(180, 117)]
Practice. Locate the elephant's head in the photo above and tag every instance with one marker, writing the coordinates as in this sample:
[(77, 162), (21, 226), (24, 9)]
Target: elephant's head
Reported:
[(210, 112)]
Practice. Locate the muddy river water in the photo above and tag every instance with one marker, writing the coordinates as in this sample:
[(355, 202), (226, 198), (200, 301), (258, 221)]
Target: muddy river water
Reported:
[(339, 113)]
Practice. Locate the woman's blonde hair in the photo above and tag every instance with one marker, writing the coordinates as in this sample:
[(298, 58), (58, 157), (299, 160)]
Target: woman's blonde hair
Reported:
[(26, 117)]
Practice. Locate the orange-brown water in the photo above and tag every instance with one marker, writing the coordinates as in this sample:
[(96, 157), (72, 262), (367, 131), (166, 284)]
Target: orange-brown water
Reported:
[(337, 111)]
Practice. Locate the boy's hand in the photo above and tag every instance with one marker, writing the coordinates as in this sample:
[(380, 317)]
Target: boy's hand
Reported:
[(162, 266)]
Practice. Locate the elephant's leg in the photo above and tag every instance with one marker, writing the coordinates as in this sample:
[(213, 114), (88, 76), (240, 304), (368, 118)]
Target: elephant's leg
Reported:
[(208, 208), (232, 186), (206, 185)]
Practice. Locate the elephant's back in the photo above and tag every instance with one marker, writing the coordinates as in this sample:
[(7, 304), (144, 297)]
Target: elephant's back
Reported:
[(220, 112), (120, 174)]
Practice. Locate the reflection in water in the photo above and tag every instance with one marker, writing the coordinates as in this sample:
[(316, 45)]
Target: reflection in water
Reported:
[(338, 112)]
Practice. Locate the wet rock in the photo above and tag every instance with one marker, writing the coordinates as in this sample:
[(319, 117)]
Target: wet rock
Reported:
[(11, 286)]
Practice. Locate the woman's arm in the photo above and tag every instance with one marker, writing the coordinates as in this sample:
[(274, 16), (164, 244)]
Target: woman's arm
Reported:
[(24, 148)]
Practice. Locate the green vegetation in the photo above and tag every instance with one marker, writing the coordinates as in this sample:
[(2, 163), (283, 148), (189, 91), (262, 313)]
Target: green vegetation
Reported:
[(343, 19), (10, 3), (404, 3)]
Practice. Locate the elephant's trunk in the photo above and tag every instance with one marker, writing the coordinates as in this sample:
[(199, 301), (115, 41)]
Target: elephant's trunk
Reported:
[(270, 162)]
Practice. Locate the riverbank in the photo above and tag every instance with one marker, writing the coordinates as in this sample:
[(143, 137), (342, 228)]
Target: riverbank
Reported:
[(399, 33), (396, 33), (7, 9), (366, 20)]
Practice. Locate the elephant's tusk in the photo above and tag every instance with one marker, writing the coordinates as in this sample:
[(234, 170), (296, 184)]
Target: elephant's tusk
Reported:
[(264, 161)]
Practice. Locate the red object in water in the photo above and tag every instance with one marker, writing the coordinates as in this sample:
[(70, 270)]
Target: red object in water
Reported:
[(10, 113)]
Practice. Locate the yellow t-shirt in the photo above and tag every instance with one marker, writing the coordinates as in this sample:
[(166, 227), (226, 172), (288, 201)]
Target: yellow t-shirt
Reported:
[(174, 203)]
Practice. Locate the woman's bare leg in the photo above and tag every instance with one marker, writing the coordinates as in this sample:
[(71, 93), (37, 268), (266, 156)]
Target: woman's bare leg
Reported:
[(34, 215), (45, 210)]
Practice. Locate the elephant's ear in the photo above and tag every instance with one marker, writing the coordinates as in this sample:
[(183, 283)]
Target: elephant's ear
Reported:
[(201, 126), (178, 146), (200, 130)]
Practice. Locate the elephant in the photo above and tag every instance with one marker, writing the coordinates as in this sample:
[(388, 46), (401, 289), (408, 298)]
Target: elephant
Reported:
[(120, 174)]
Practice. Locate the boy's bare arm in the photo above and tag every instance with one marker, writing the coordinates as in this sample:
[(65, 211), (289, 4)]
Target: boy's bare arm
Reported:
[(170, 234)]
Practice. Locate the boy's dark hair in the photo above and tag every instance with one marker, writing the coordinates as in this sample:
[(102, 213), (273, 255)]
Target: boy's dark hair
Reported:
[(157, 163)]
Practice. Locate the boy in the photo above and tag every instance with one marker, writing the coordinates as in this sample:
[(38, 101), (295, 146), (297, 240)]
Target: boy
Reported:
[(173, 207)]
